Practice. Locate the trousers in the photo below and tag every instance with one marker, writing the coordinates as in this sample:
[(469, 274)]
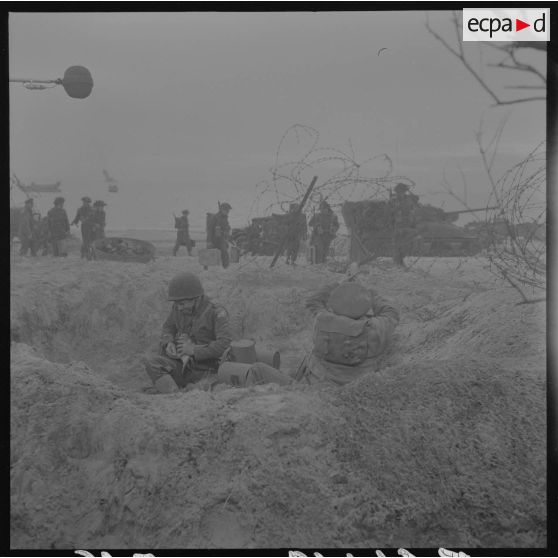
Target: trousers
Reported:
[(158, 366)]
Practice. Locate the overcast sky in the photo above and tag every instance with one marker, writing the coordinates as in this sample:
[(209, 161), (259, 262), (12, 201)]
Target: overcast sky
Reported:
[(189, 108)]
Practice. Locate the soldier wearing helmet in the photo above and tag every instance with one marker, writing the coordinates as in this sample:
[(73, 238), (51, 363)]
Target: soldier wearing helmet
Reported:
[(82, 215), (324, 225), (219, 231), (353, 327), (195, 336), (58, 227), (182, 233), (402, 207), (295, 233)]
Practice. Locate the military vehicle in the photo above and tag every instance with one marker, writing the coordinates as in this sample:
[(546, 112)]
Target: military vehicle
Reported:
[(263, 236), (433, 232)]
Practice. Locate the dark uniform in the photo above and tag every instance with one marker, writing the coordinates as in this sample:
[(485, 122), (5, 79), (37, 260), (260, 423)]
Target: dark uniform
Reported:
[(26, 230), (41, 234), (296, 233), (219, 231), (82, 215), (182, 233), (59, 228), (97, 221), (402, 212), (324, 228), (208, 328)]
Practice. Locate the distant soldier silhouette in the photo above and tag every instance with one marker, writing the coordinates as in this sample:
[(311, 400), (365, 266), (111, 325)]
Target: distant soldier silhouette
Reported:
[(40, 234), (218, 232), (402, 213), (182, 233), (58, 227), (296, 232), (324, 225), (82, 215), (97, 220), (26, 229)]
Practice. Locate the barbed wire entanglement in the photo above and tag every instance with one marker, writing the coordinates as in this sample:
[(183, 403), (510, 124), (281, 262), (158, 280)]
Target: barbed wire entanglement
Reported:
[(341, 177), (515, 234)]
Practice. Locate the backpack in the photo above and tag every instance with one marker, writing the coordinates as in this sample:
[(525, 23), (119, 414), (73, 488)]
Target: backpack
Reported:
[(341, 340)]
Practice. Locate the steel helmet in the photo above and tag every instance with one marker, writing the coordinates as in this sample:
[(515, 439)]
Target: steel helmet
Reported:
[(226, 205), (185, 285), (350, 299), (59, 200)]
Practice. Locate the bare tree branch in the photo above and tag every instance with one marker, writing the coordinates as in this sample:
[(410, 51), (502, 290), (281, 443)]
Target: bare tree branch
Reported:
[(510, 62)]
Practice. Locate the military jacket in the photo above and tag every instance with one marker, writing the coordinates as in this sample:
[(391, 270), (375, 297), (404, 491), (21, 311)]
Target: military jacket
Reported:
[(182, 226), (98, 219), (382, 317), (403, 210), (83, 213), (219, 228), (181, 223), (297, 227), (324, 224), (26, 223), (58, 223), (208, 328)]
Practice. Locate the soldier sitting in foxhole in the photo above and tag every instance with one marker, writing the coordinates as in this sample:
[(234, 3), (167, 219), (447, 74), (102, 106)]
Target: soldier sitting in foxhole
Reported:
[(353, 326)]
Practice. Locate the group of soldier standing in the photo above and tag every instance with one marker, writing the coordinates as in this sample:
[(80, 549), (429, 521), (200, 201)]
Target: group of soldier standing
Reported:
[(218, 232), (50, 232), (324, 225)]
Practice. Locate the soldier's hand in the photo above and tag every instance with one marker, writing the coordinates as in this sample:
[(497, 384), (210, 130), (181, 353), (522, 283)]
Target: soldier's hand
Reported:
[(171, 349), (185, 347)]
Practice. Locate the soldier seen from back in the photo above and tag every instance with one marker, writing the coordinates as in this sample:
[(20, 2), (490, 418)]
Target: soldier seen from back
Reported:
[(182, 233), (219, 231), (402, 207), (353, 327), (97, 220), (297, 232), (324, 225), (58, 227), (26, 229), (82, 216), (195, 335)]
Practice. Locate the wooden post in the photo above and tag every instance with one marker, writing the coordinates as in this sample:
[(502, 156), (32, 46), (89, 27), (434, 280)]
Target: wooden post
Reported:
[(297, 212)]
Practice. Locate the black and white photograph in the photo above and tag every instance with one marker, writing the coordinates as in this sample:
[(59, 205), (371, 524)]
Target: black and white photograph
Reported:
[(277, 279)]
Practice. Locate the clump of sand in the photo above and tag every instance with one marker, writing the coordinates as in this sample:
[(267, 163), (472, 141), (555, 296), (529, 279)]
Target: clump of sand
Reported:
[(443, 446)]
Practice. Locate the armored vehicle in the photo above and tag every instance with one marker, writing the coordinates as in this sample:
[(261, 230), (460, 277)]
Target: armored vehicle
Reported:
[(263, 236), (432, 231)]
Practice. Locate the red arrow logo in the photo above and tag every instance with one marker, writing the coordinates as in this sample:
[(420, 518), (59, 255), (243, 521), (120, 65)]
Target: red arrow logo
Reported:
[(519, 25)]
